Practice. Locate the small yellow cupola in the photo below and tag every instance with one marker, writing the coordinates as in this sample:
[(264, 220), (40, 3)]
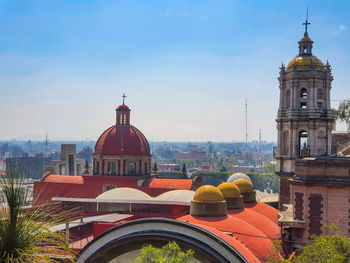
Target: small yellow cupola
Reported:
[(247, 189), (208, 201), (232, 195)]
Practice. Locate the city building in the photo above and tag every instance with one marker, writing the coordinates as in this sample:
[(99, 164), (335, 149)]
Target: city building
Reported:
[(191, 154), (31, 167), (68, 164)]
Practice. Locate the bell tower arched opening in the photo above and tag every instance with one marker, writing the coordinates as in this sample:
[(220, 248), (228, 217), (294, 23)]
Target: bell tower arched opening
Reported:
[(304, 149)]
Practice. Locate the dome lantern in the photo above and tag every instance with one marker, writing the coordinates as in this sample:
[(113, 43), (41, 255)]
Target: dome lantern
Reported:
[(123, 113), (305, 44)]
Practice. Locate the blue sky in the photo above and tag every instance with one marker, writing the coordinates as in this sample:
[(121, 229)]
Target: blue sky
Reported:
[(186, 66)]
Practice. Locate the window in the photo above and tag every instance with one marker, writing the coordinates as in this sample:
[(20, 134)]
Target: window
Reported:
[(111, 168), (71, 164), (305, 49), (303, 93), (319, 105), (131, 168), (303, 105), (78, 169)]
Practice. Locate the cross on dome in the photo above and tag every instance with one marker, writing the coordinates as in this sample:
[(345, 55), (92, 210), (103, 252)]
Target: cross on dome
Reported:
[(124, 96), (306, 22)]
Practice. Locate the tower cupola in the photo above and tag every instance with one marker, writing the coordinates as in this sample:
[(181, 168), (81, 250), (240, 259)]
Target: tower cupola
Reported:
[(305, 44)]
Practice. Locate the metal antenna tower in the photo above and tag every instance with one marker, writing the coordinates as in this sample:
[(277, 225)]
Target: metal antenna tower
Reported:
[(260, 156), (246, 124), (46, 144)]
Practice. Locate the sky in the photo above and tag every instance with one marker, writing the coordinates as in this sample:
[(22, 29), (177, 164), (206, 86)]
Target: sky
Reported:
[(186, 67)]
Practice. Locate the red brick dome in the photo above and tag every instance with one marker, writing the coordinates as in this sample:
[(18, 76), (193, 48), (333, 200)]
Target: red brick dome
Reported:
[(122, 139)]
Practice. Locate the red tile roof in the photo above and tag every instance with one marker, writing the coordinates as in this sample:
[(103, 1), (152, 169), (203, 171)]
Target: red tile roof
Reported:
[(184, 184), (253, 238), (57, 178)]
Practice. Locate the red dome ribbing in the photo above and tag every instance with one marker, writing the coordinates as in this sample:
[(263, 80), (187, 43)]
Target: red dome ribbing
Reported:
[(121, 139)]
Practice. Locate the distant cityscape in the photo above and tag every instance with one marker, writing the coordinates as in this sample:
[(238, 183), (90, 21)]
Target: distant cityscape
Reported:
[(169, 156)]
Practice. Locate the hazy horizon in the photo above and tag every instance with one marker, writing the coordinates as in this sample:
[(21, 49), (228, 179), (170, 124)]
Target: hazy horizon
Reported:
[(186, 66)]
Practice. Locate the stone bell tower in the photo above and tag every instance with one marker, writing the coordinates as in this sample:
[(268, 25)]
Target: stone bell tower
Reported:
[(304, 119)]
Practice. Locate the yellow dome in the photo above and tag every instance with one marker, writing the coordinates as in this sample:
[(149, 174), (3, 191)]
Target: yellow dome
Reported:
[(229, 190), (305, 38), (208, 193), (305, 62), (244, 185)]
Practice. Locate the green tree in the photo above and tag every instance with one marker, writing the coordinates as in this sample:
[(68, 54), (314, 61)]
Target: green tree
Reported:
[(170, 253), (155, 168), (223, 169), (331, 248), (343, 112), (25, 235), (184, 171), (269, 168)]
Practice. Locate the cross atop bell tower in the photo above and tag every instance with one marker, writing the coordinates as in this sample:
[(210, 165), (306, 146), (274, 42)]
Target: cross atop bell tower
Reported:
[(306, 22), (305, 44)]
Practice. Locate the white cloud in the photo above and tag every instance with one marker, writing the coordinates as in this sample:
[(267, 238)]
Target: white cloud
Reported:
[(168, 13), (340, 29)]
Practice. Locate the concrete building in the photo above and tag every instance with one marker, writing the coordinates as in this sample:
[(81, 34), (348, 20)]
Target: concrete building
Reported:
[(69, 163), (193, 155), (31, 167)]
